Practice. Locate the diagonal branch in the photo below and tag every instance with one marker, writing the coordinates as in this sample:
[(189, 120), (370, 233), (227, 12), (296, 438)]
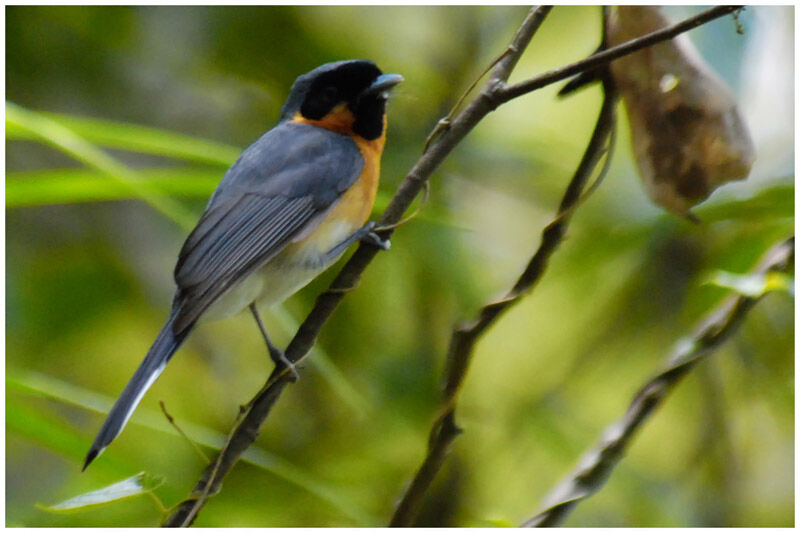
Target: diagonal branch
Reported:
[(501, 67), (597, 464), (249, 421), (465, 336), (254, 414), (608, 55)]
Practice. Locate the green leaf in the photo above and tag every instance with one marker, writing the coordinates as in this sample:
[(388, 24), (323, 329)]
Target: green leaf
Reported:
[(70, 185), (135, 138), (64, 186), (44, 431), (753, 285), (773, 202), (141, 483), (49, 387), (67, 141), (79, 137), (493, 522)]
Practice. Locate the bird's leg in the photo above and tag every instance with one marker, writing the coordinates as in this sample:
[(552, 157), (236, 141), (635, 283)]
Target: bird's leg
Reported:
[(365, 234), (276, 354)]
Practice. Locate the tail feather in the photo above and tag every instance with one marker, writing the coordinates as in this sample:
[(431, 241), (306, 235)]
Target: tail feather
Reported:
[(157, 357)]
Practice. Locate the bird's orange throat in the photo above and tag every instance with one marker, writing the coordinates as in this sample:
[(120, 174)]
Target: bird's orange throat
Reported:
[(340, 119), (355, 205)]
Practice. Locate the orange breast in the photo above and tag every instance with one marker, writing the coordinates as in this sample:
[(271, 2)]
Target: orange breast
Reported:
[(354, 207)]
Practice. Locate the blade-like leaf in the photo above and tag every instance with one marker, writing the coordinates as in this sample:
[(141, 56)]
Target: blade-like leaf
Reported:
[(49, 387), (79, 137), (135, 138), (64, 186), (776, 201), (127, 488), (51, 433), (67, 141), (71, 185)]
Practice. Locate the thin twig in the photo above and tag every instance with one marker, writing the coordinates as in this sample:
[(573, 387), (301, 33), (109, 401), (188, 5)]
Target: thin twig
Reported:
[(157, 501), (530, 25), (244, 433), (444, 123), (174, 424), (465, 336), (597, 464), (606, 56), (186, 511), (426, 195)]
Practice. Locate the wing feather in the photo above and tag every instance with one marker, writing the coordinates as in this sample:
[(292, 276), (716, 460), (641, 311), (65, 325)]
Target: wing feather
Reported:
[(253, 210), (276, 190)]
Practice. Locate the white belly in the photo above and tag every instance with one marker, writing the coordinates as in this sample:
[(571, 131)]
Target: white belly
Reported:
[(284, 275)]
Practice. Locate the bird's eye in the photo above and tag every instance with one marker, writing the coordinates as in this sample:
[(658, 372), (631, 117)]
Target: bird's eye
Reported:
[(330, 93)]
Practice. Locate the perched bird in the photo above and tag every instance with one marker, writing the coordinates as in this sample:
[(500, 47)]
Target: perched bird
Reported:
[(284, 212)]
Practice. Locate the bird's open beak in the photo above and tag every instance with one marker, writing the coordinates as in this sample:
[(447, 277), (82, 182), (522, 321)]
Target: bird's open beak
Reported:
[(384, 82)]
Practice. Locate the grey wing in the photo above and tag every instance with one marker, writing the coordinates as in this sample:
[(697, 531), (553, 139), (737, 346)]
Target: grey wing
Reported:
[(277, 188)]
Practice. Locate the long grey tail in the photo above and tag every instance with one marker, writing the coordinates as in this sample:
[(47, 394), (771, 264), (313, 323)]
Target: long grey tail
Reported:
[(150, 368)]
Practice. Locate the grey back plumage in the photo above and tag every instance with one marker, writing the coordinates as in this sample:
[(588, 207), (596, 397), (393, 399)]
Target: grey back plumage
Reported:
[(279, 184), (278, 190)]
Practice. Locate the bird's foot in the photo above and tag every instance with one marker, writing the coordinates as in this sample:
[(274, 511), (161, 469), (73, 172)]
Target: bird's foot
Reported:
[(365, 233), (278, 356), (371, 237)]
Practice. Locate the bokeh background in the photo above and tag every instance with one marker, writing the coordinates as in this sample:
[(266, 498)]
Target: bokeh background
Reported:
[(121, 102)]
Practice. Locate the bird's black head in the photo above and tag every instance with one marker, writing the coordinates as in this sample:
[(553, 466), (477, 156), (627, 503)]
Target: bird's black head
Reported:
[(343, 95)]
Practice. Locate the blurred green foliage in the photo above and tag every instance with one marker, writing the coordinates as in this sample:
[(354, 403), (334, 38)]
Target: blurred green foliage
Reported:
[(147, 106)]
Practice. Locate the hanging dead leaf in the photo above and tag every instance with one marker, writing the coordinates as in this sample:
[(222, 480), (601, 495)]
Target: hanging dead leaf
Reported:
[(688, 136)]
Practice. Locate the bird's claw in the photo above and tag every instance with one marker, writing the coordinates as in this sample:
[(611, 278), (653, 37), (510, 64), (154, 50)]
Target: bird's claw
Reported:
[(279, 358), (371, 237)]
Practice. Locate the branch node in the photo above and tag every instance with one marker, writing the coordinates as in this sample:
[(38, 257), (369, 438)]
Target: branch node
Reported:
[(174, 424), (440, 129), (494, 94), (466, 334), (341, 290), (596, 465), (425, 197)]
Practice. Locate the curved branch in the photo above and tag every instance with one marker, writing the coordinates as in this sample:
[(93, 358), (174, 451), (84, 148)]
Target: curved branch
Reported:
[(597, 464), (465, 336), (249, 422), (254, 414), (608, 55)]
